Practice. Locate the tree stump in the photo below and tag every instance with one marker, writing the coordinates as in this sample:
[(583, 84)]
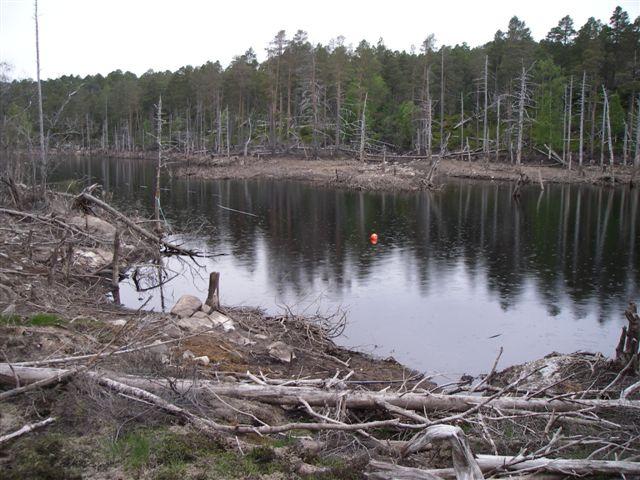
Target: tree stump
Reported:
[(213, 297), (627, 349)]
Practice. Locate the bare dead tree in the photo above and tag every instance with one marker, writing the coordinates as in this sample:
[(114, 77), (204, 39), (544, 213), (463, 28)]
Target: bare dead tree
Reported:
[(636, 160), (442, 142), (461, 121), (498, 130), (581, 145), (363, 131), (569, 114), (608, 117), (428, 114), (485, 128), (156, 203), (521, 104), (43, 152)]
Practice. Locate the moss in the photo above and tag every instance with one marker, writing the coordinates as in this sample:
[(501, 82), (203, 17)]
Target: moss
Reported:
[(45, 320), (159, 448), (46, 457), (260, 461), (170, 472)]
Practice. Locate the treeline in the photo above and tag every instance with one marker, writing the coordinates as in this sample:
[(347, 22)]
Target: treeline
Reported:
[(572, 96)]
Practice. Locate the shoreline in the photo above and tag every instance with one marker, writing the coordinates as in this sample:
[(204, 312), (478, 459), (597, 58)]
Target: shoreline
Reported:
[(396, 175)]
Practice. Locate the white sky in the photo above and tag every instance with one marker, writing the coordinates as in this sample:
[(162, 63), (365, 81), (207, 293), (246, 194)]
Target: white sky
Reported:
[(98, 36)]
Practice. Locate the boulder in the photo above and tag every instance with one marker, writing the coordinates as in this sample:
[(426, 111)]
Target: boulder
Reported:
[(92, 258), (281, 351), (203, 360), (186, 306), (194, 325), (220, 319), (93, 225)]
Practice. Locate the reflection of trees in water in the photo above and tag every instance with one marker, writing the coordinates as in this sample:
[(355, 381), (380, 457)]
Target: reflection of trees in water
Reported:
[(571, 240)]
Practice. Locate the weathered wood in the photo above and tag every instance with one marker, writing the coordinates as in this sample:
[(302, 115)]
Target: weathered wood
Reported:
[(627, 349), (363, 126), (115, 272), (562, 466), (464, 463), (284, 395), (26, 429), (488, 463), (213, 297)]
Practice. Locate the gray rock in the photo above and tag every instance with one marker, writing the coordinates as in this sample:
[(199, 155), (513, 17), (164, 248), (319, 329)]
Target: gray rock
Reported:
[(186, 306), (188, 355), (93, 225), (203, 360), (171, 330), (194, 325), (281, 351), (219, 319)]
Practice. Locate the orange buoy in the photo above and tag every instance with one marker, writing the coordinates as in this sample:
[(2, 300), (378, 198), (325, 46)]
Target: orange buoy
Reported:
[(373, 238)]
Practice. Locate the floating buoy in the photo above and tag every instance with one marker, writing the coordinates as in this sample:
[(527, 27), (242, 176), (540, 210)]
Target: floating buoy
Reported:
[(373, 238)]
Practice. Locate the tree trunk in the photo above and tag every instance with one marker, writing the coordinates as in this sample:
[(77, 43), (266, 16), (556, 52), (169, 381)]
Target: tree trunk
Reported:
[(636, 160), (286, 395), (606, 102), (363, 131), (442, 145), (521, 100), (581, 145), (156, 203), (570, 111), (498, 131), (43, 151), (485, 128)]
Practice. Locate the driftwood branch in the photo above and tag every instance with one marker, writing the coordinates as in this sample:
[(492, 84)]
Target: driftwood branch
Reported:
[(26, 429)]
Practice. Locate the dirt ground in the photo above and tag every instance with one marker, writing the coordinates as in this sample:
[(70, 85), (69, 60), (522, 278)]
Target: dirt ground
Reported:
[(393, 176)]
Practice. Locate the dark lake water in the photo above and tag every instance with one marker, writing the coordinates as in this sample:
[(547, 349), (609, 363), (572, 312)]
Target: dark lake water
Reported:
[(455, 275)]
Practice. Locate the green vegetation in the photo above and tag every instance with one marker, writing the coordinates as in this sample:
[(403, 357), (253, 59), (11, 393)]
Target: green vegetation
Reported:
[(36, 320), (45, 320), (315, 94)]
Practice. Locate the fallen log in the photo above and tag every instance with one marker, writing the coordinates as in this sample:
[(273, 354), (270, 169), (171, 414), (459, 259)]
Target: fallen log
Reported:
[(378, 470), (561, 466), (283, 395), (551, 467)]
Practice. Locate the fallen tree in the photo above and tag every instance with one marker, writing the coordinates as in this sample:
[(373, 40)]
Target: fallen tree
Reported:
[(286, 395)]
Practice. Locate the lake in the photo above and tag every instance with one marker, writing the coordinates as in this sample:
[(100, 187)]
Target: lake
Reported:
[(455, 274)]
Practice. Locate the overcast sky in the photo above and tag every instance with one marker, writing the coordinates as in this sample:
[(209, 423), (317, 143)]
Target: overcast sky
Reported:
[(98, 36)]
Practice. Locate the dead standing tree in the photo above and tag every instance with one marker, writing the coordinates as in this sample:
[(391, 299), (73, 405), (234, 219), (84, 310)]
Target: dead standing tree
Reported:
[(43, 152), (363, 127), (522, 102), (156, 198), (627, 350)]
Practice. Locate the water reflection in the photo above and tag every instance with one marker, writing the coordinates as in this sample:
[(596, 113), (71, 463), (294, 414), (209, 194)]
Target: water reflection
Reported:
[(455, 274)]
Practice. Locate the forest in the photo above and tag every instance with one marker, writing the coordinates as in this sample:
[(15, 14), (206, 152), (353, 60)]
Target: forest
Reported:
[(572, 97)]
